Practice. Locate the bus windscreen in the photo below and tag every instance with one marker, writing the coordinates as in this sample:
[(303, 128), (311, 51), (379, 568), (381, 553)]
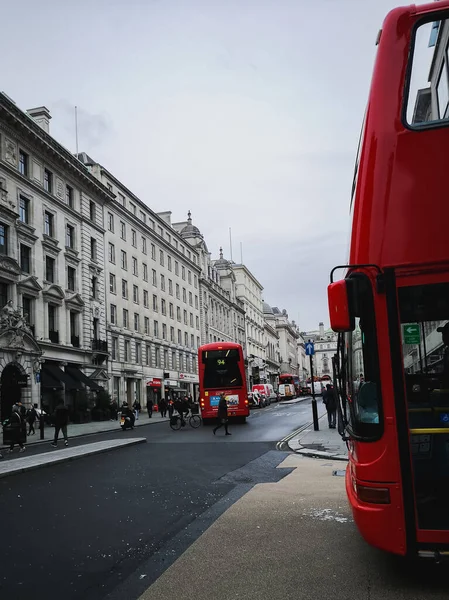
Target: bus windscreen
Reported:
[(221, 369)]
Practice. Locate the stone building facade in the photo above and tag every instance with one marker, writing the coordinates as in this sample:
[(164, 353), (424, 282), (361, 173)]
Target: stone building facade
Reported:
[(325, 348), (53, 326), (152, 297)]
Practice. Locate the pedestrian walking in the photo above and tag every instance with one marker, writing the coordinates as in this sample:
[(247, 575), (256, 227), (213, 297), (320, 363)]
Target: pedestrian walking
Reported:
[(61, 417), (150, 408), (222, 415), (114, 410), (331, 405), (17, 426), (32, 415), (137, 409), (163, 407)]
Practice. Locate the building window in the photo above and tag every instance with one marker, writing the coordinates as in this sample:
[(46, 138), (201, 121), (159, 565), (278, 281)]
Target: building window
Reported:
[(171, 311), (70, 236), (154, 276), (184, 295), (132, 208), (153, 251), (71, 279), (197, 322), (190, 298), (92, 211), (155, 302), (191, 319), (138, 357), (122, 230), (143, 216), (27, 310), (93, 249), (163, 307), (124, 260), (161, 257), (156, 329), (152, 225), (174, 362), (4, 240), (24, 209), (179, 337), (144, 245), (161, 232), (135, 269), (163, 283), (25, 256), (113, 310), (172, 334), (169, 263), (134, 238), (170, 287), (196, 301), (183, 273), (94, 289), (135, 294), (112, 286), (23, 163), (178, 313), (124, 288), (178, 296), (114, 351), (192, 340), (146, 322), (109, 186), (145, 299), (121, 199), (48, 224), (111, 222), (197, 342), (148, 356), (164, 331), (52, 323), (176, 267), (48, 181), (111, 253), (158, 357), (145, 271), (3, 293), (195, 281), (189, 276), (50, 269), (136, 322), (69, 196), (125, 318), (185, 317), (127, 351)]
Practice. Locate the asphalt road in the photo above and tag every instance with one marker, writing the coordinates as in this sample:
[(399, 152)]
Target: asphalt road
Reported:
[(80, 530)]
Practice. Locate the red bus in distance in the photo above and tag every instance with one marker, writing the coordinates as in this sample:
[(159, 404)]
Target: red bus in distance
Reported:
[(392, 308), (221, 368)]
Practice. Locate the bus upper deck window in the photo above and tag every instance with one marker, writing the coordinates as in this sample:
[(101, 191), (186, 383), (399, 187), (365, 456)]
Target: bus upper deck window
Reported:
[(428, 84)]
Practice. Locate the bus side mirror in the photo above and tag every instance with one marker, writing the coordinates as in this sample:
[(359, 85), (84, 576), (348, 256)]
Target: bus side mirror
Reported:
[(340, 312)]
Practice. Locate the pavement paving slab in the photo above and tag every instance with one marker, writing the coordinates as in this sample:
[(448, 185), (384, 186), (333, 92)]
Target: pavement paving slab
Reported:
[(55, 456), (325, 443), (293, 540)]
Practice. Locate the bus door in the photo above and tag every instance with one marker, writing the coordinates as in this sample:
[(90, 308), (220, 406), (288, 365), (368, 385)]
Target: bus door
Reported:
[(424, 330)]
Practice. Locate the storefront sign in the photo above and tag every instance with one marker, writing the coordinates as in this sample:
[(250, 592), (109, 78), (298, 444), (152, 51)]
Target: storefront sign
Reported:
[(170, 383), (188, 377), (154, 382)]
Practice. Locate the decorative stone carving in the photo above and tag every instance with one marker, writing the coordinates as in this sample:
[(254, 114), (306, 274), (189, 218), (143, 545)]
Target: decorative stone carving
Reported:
[(10, 152), (13, 319), (10, 265), (59, 188)]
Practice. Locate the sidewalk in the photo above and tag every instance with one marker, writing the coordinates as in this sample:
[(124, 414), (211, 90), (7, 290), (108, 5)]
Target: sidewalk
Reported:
[(325, 443), (81, 429)]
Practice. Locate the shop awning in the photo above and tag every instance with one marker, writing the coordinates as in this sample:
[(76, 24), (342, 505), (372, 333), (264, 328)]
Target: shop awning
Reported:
[(53, 376), (80, 376)]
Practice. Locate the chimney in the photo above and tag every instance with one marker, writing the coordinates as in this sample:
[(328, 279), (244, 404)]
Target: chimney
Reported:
[(321, 324), (42, 116)]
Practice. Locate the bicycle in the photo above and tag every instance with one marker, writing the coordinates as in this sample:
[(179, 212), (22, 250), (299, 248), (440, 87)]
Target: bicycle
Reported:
[(176, 422)]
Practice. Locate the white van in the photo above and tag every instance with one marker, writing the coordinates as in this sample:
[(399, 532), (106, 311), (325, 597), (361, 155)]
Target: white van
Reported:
[(287, 391), (267, 390)]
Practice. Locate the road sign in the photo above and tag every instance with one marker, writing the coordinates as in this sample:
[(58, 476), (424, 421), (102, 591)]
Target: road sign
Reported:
[(411, 333), (310, 349)]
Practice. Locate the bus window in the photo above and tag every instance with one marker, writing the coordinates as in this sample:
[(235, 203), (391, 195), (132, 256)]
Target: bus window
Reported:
[(428, 86), (362, 368), (221, 369)]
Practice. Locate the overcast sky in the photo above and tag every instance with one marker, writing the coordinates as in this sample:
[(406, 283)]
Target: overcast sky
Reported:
[(246, 112)]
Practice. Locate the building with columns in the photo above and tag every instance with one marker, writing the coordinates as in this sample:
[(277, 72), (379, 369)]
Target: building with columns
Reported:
[(325, 347), (152, 298), (52, 296), (249, 291), (272, 347), (288, 341), (222, 314)]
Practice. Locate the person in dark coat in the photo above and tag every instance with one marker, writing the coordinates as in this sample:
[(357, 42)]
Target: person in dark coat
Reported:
[(18, 427), (179, 406), (31, 419), (163, 407), (150, 408), (61, 417), (222, 415), (331, 405)]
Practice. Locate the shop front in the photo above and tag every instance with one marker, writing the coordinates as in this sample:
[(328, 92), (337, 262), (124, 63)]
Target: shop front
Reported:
[(190, 383), (154, 391)]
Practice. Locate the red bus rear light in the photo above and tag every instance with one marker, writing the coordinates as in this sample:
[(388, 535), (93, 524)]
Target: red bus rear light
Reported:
[(373, 495)]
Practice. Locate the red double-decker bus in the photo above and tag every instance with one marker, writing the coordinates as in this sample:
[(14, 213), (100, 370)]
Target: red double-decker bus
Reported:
[(222, 371), (392, 308), (292, 379)]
